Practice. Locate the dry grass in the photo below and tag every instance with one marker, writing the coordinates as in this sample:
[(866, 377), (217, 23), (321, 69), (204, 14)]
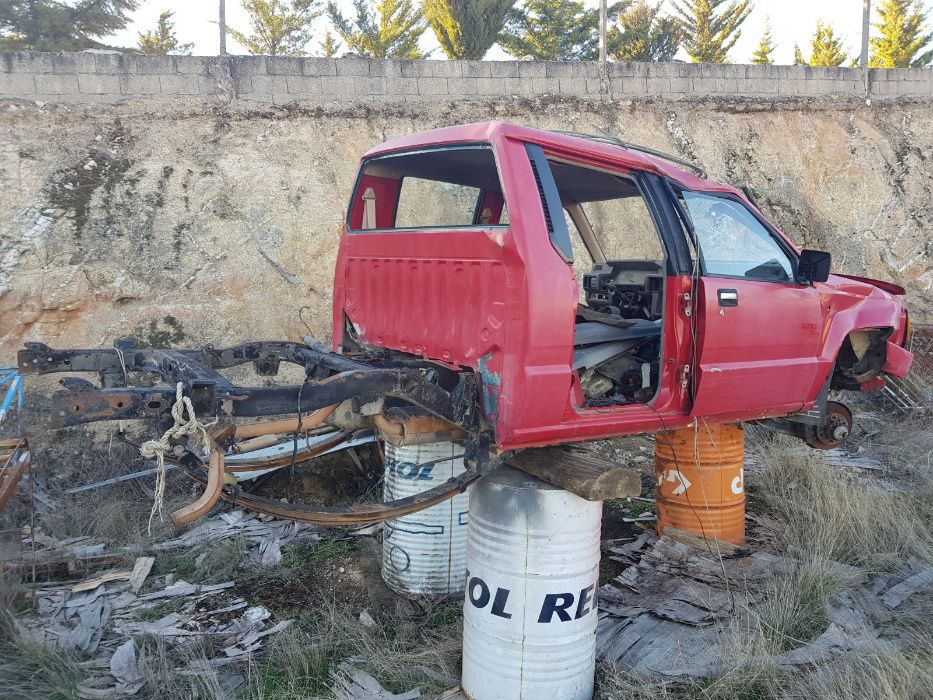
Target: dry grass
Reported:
[(30, 671), (179, 672), (823, 512), (303, 659), (879, 675)]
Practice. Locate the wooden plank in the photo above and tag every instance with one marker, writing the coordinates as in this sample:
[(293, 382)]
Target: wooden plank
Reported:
[(586, 474), (13, 471), (141, 570), (93, 583)]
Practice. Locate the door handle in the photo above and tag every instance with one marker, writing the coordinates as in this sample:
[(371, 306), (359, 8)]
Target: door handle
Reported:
[(728, 297)]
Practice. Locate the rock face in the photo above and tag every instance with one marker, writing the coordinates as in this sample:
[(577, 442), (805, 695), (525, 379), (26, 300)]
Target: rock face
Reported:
[(203, 225)]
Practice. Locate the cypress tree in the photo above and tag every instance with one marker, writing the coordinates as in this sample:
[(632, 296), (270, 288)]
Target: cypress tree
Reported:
[(466, 29), (551, 30), (50, 25), (381, 28), (710, 30), (641, 35), (903, 36), (278, 28), (163, 40), (827, 48), (762, 55)]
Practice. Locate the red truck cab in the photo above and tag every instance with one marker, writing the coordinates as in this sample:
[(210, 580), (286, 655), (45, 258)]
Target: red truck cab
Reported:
[(597, 290)]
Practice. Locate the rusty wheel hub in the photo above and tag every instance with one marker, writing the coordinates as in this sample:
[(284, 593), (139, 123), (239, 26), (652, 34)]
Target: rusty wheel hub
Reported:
[(835, 429)]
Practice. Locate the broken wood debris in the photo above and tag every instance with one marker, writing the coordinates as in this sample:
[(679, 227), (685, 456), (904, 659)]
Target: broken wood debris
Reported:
[(671, 613), (105, 615), (351, 683)]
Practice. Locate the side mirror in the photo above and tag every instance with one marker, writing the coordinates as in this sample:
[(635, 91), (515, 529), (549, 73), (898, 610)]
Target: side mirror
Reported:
[(813, 266)]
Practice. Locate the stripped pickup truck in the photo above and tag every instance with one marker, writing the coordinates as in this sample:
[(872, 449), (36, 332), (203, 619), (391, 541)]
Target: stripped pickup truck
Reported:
[(525, 288)]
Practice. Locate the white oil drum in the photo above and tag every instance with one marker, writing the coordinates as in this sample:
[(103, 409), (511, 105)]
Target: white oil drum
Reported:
[(529, 622), (424, 554)]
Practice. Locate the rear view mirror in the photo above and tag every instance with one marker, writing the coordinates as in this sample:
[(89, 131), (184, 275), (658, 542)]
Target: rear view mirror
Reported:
[(813, 266)]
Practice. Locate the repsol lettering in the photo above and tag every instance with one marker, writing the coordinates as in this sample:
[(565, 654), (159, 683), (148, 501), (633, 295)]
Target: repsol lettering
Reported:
[(560, 604), (410, 470), (564, 606), (479, 595)]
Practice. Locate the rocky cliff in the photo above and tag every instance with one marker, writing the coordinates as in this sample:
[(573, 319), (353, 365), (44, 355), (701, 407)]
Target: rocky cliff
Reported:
[(198, 223)]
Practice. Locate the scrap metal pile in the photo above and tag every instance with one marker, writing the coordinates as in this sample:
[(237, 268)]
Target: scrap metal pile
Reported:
[(340, 404)]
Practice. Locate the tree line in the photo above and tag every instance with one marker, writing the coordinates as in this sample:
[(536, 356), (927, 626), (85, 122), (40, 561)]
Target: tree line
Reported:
[(557, 30)]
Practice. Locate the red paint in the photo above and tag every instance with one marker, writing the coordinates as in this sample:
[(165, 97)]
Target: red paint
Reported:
[(501, 301)]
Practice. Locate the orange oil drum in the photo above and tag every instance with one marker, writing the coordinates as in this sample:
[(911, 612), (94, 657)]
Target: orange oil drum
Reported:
[(701, 484)]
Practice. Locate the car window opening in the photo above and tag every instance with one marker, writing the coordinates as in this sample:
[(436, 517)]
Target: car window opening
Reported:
[(619, 263), (443, 188)]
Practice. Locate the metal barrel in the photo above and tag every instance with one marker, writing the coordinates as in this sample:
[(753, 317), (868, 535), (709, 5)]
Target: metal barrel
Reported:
[(425, 553), (529, 623), (701, 481)]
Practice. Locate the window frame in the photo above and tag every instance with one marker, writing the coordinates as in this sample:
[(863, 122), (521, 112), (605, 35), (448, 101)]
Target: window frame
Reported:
[(643, 183), (463, 146), (680, 204)]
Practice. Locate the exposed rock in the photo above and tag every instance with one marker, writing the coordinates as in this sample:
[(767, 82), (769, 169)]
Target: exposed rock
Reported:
[(116, 218)]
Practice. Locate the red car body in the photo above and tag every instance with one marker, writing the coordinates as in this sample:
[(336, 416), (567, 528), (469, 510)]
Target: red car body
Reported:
[(501, 302)]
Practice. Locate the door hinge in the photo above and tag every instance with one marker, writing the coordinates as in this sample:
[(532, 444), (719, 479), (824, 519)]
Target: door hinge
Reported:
[(688, 306), (685, 376)]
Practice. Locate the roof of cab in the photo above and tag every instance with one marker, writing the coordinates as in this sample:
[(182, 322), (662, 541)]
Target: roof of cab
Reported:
[(496, 130)]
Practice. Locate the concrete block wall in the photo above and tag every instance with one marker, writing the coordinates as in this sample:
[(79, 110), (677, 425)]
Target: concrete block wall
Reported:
[(118, 78)]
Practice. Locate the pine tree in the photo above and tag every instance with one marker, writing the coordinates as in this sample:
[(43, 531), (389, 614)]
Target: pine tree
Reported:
[(387, 29), (710, 30), (643, 36), (466, 29), (279, 28), (827, 48), (551, 30), (329, 46), (903, 36), (163, 40), (762, 55), (799, 60), (53, 25)]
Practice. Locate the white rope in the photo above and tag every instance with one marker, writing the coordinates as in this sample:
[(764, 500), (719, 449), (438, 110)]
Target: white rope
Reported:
[(189, 427)]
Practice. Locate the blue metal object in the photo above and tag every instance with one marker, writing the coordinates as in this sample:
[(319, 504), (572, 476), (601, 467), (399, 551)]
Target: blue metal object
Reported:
[(14, 391)]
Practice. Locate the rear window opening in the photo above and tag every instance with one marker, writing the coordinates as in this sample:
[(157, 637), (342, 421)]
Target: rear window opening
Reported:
[(618, 260), (441, 188)]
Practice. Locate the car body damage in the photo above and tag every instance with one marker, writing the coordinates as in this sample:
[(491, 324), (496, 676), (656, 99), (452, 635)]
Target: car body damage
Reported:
[(533, 288)]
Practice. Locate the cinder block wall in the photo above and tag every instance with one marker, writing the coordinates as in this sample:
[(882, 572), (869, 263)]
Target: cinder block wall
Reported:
[(117, 78)]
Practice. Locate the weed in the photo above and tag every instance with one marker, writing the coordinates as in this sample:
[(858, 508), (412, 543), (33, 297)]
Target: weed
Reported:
[(793, 610), (303, 554), (222, 560), (157, 612), (181, 566), (32, 671), (884, 674), (179, 671), (821, 512)]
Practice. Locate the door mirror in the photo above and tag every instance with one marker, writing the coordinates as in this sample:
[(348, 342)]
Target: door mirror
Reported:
[(813, 266)]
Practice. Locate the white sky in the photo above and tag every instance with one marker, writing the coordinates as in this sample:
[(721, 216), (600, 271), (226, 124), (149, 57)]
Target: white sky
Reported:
[(792, 21)]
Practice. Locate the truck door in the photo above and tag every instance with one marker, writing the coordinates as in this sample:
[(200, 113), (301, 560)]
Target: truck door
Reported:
[(757, 331)]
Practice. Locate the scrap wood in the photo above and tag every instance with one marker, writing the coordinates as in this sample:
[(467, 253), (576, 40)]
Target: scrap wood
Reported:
[(234, 524), (69, 565), (183, 588), (351, 683), (672, 613), (14, 466), (141, 570), (586, 474), (902, 591), (93, 583)]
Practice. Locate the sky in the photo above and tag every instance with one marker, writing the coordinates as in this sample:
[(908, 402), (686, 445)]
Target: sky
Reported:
[(792, 21)]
